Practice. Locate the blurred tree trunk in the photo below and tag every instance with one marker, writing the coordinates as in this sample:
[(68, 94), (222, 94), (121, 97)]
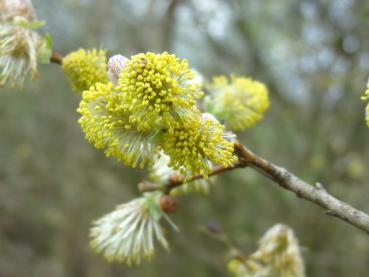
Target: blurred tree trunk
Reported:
[(169, 25)]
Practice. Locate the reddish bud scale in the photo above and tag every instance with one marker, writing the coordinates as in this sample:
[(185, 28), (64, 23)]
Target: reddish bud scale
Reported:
[(168, 203)]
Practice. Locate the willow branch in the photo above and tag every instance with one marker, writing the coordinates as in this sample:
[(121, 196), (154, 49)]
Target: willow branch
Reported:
[(313, 193), (286, 180), (279, 175)]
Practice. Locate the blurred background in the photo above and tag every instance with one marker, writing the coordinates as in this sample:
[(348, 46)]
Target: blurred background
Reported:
[(314, 57)]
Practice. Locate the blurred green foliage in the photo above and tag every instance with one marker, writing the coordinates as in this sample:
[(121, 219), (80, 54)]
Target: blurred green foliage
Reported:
[(313, 55)]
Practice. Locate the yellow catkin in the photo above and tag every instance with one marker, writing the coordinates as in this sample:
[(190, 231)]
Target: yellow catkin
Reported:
[(106, 125), (240, 102), (85, 68), (158, 90), (193, 148)]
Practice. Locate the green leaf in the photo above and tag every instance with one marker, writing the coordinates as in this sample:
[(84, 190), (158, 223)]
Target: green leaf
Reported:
[(22, 22), (153, 204), (45, 50)]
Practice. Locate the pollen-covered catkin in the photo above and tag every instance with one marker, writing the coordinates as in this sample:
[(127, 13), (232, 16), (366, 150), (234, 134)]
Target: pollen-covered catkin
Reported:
[(85, 68), (157, 91), (106, 125), (240, 102), (153, 108), (194, 148)]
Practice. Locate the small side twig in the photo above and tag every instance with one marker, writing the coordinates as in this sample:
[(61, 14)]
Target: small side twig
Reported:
[(177, 180), (286, 180)]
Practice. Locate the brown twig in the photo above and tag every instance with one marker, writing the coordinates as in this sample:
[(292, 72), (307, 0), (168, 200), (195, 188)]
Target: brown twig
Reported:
[(176, 180), (313, 193), (286, 180), (56, 58)]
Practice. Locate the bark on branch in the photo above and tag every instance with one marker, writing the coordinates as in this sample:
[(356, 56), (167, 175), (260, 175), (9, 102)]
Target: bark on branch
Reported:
[(286, 180)]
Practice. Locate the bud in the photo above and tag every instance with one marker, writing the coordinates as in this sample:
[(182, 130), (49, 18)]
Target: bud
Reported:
[(115, 65), (168, 203), (208, 116)]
